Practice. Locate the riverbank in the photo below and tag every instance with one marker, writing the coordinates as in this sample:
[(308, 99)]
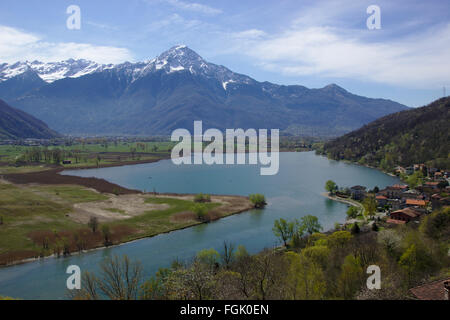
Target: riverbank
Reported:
[(42, 220), (349, 202)]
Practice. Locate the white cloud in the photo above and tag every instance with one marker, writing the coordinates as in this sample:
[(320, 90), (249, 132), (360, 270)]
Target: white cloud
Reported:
[(193, 6), (173, 20), (16, 45), (419, 60), (250, 34)]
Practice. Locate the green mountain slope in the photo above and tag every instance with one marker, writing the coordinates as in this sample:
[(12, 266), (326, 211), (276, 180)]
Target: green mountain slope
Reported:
[(404, 138), (16, 124)]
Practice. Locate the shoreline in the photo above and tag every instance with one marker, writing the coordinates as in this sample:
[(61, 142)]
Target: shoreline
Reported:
[(346, 201), (142, 237)]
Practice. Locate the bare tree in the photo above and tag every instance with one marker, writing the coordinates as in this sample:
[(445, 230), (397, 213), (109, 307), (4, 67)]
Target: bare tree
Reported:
[(120, 278), (228, 254)]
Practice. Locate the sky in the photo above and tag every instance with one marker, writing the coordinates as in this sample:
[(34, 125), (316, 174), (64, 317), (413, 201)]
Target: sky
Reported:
[(311, 43)]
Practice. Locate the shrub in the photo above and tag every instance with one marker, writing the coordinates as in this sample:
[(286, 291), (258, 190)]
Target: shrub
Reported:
[(258, 200), (352, 212), (202, 198), (200, 211)]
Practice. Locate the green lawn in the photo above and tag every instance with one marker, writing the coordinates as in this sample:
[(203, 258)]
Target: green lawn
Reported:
[(24, 211), (72, 194), (159, 221)]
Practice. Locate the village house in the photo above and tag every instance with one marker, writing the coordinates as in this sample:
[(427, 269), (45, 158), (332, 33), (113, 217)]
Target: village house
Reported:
[(393, 221), (412, 194), (436, 290), (415, 203), (395, 204), (381, 200), (419, 167), (438, 201), (406, 214), (432, 184), (394, 192), (358, 192)]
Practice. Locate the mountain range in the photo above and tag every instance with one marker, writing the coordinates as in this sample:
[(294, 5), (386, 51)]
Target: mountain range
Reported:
[(171, 91), (16, 124)]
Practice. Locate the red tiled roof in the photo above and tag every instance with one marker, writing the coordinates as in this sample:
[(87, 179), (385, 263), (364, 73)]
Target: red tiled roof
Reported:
[(415, 202), (399, 186), (430, 291), (381, 197), (395, 221), (409, 211)]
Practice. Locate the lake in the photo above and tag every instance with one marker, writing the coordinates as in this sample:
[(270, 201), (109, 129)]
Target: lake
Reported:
[(294, 192)]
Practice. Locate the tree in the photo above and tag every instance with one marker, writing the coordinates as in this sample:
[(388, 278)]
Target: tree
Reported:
[(355, 228), (202, 198), (408, 261), (155, 288), (258, 200), (106, 235), (339, 239), (241, 253), (310, 224), (370, 205), (390, 240), (119, 280), (331, 186), (351, 276), (437, 224), (415, 179), (228, 254), (208, 257), (284, 229), (352, 212), (200, 211), (93, 224), (305, 279)]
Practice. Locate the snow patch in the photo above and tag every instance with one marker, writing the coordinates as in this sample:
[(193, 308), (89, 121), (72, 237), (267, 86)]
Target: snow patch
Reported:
[(224, 84)]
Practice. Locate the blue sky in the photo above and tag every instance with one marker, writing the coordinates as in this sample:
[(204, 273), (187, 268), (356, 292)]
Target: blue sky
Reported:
[(312, 43)]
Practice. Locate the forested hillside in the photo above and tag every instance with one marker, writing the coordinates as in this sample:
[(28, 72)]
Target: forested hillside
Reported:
[(404, 138), (16, 124)]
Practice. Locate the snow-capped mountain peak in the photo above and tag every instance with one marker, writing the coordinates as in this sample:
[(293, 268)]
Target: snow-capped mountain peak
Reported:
[(179, 58), (51, 71)]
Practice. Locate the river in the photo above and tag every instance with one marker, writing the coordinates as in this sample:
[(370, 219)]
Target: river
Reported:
[(294, 192)]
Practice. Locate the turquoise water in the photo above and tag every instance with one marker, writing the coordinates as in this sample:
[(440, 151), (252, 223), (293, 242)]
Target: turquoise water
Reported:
[(294, 192)]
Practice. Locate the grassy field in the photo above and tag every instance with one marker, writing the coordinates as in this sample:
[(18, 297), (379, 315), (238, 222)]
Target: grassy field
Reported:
[(83, 155), (159, 221), (37, 220), (24, 211)]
